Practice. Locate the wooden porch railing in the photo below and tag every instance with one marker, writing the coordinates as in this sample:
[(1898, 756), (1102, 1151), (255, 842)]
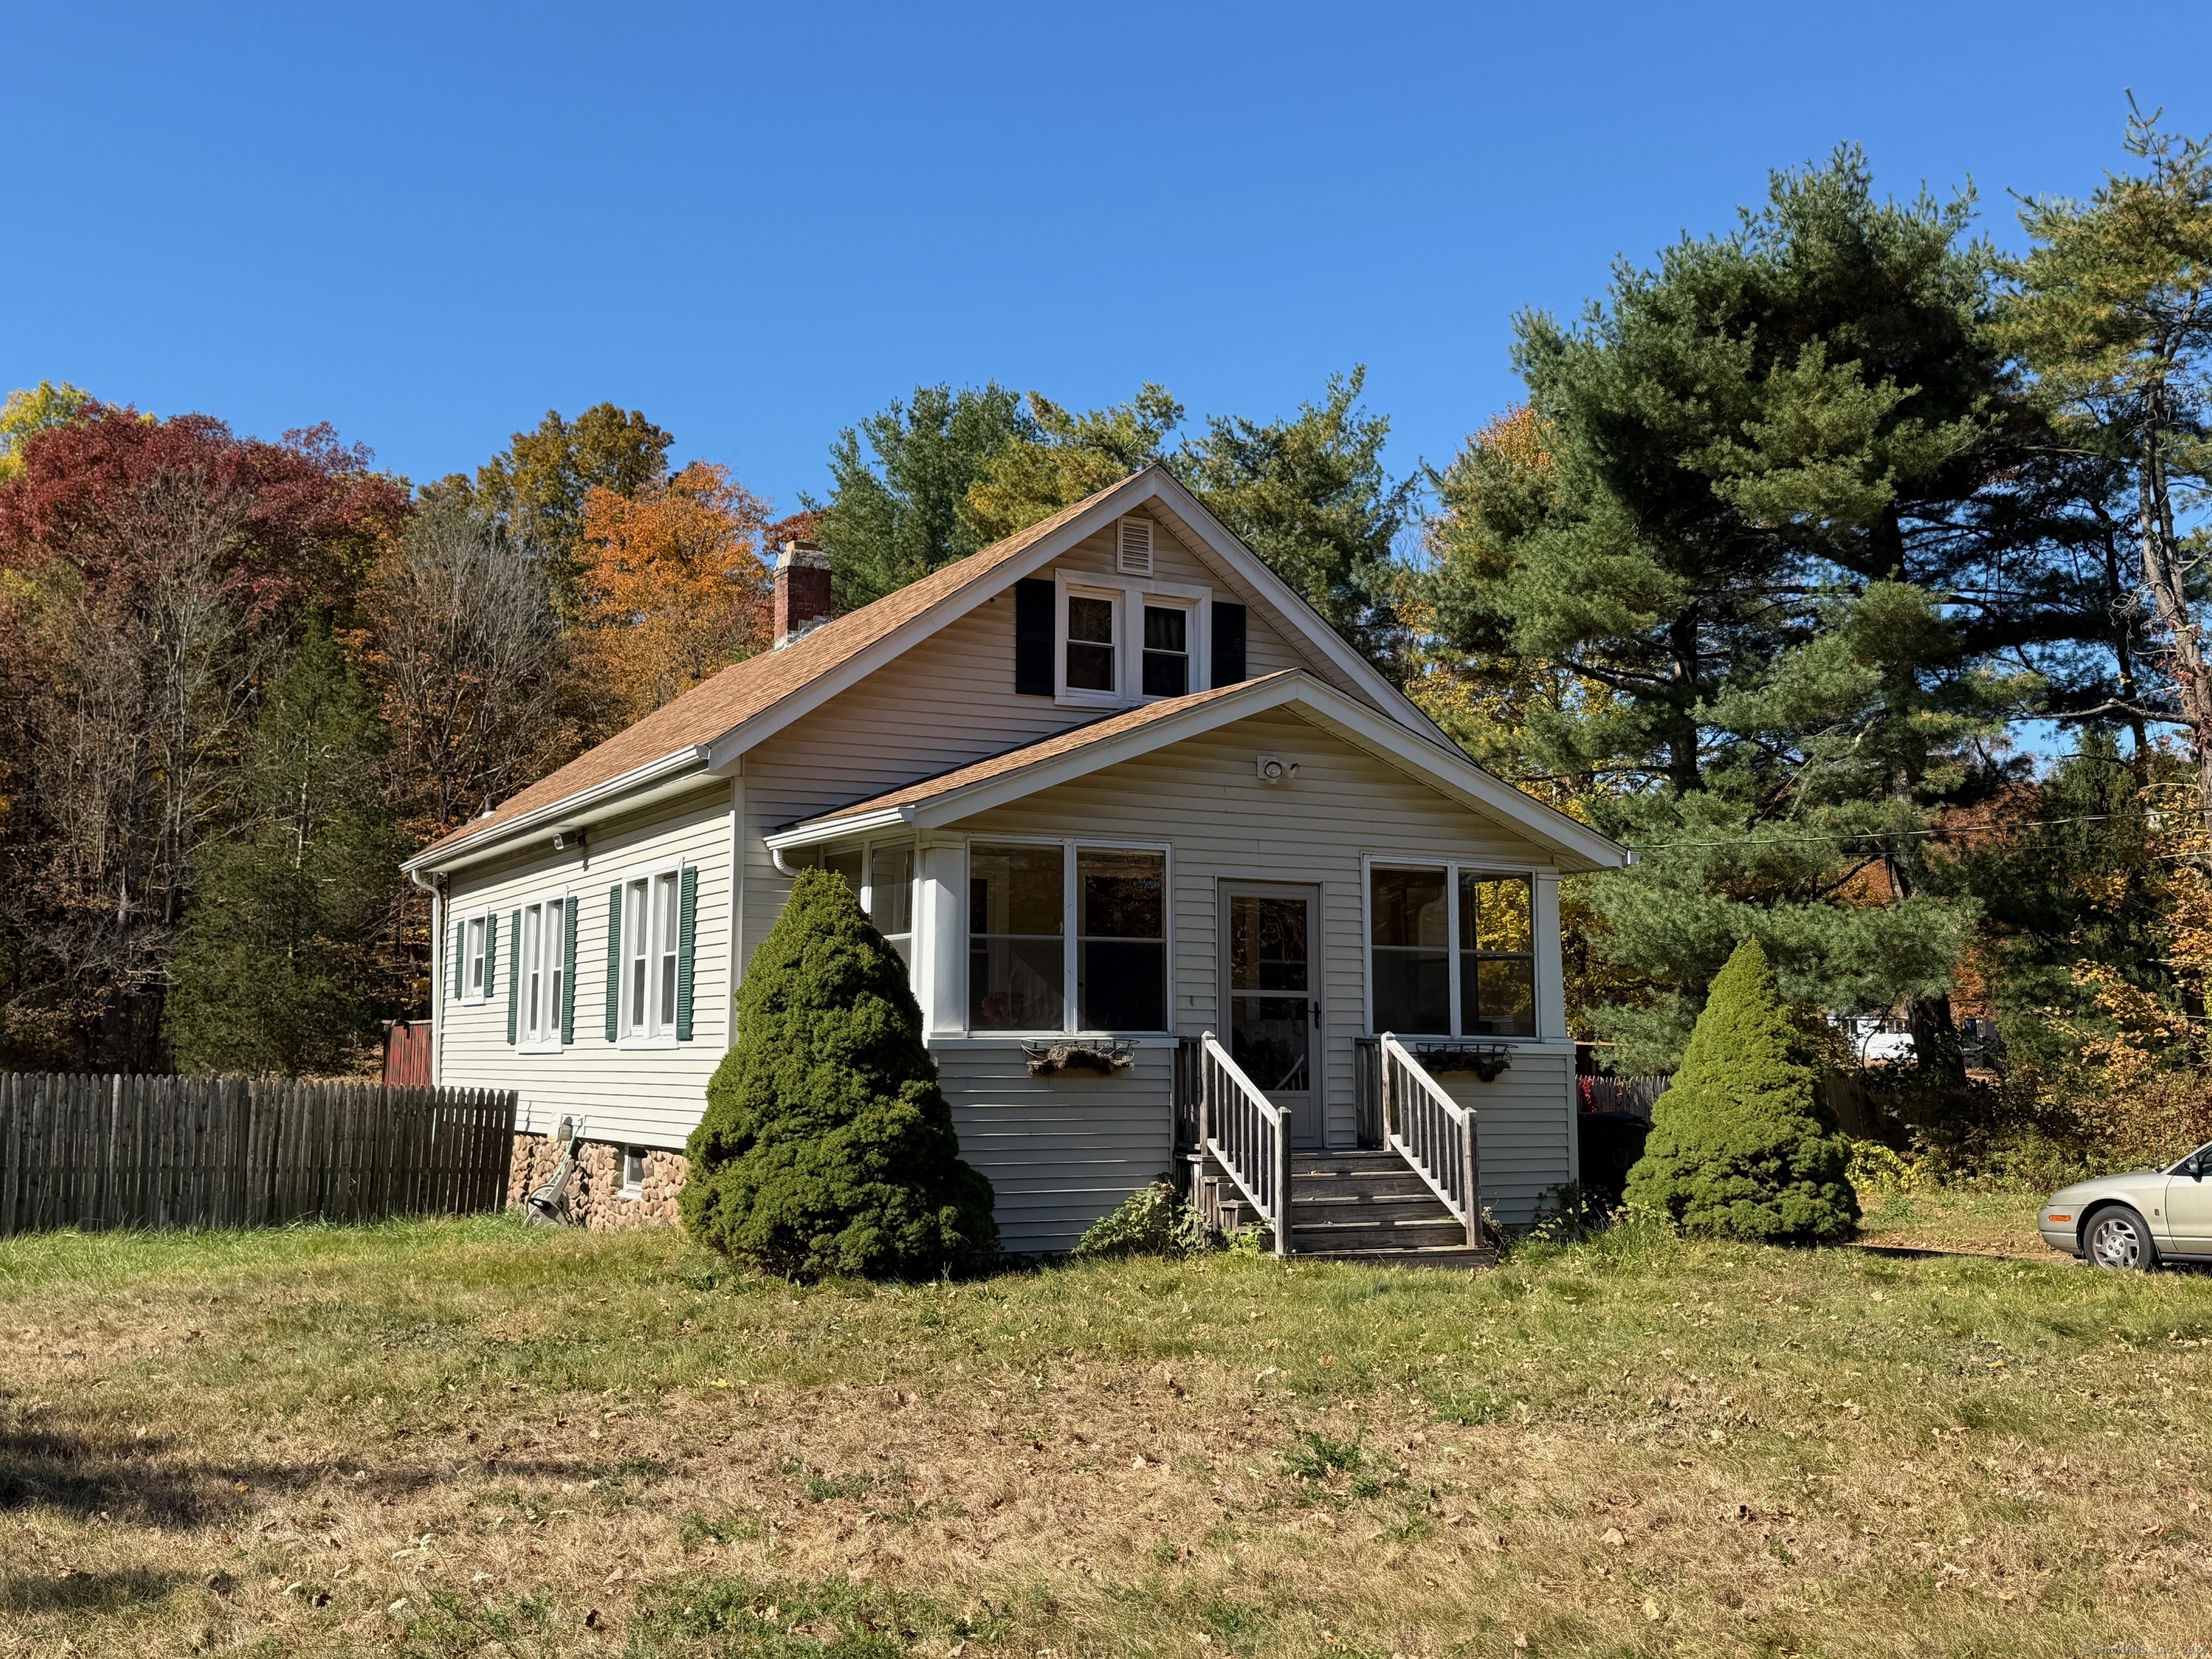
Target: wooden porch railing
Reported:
[(1433, 1132), (1248, 1135), (1367, 1093)]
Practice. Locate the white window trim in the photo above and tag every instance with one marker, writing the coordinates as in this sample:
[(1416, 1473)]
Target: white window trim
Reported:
[(1129, 594), (629, 1189), (652, 1037), (470, 920), (551, 1043), (1071, 998), (1453, 867)]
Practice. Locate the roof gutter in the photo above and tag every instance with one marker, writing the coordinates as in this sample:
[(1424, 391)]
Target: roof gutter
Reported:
[(564, 813)]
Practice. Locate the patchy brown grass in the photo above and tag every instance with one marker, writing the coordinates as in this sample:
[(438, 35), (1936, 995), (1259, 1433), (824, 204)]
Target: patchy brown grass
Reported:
[(1985, 1223), (473, 1439)]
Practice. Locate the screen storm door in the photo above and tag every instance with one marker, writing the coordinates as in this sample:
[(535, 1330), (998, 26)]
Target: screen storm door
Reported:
[(1270, 995)]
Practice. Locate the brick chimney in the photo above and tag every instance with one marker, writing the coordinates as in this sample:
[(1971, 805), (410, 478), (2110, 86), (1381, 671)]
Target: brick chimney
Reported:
[(802, 590)]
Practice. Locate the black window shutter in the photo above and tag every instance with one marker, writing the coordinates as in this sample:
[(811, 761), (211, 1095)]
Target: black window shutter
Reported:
[(1228, 643), (1033, 606), (460, 960)]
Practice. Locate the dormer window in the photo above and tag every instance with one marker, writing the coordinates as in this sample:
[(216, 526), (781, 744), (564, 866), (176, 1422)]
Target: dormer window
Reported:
[(1119, 640), (1090, 655), (1167, 650)]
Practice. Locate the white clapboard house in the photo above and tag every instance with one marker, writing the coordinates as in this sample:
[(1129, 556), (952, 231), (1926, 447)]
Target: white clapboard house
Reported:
[(1184, 882)]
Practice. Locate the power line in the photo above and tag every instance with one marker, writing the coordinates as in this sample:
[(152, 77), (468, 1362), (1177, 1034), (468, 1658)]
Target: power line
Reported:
[(1894, 835)]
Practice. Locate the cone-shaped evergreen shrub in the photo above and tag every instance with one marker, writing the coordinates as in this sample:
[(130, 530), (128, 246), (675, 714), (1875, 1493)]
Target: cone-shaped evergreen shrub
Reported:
[(827, 1146), (1739, 1143)]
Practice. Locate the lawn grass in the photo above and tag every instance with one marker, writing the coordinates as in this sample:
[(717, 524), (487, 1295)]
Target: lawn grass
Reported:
[(473, 1438)]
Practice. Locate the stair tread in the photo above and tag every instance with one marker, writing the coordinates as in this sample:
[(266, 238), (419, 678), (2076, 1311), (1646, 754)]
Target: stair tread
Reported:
[(1460, 1256)]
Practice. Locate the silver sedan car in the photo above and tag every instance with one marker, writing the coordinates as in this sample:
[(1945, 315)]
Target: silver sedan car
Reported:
[(2135, 1221)]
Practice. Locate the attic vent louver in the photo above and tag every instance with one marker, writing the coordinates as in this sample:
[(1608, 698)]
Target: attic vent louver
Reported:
[(1134, 556)]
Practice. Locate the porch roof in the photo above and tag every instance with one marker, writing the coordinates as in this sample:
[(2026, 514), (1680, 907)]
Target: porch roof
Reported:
[(1009, 776)]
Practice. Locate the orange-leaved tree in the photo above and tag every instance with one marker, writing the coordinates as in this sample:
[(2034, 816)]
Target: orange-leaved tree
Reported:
[(673, 584)]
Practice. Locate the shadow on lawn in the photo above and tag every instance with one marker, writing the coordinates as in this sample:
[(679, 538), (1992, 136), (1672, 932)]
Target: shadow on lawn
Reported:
[(129, 1480), (133, 1481), (84, 1592)]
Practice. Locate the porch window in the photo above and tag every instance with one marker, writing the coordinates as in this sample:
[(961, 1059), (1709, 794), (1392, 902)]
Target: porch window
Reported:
[(1411, 951), (847, 864), (1167, 650), (891, 896), (1451, 952), (1017, 947), (1497, 961), (1122, 940)]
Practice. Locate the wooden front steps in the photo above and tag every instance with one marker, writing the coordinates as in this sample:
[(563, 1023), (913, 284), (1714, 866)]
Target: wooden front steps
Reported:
[(1369, 1206), (1364, 1207)]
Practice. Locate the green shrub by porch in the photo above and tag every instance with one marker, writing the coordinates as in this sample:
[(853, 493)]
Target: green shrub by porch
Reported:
[(827, 1146), (1740, 1144)]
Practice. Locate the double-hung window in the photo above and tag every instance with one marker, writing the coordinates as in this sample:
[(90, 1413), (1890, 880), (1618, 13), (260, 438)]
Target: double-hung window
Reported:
[(542, 969), (1093, 662), (1043, 916), (1122, 640), (1167, 650), (472, 955), (1451, 952), (646, 979)]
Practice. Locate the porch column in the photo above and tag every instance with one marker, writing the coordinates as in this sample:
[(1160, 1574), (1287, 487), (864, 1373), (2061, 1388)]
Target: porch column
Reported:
[(941, 936), (1551, 974)]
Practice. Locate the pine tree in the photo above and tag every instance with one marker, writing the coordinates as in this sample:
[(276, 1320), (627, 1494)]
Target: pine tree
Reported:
[(1744, 574), (275, 968), (1310, 496), (1740, 1144), (899, 486), (827, 1146)]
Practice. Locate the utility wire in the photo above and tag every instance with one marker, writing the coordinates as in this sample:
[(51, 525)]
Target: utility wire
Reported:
[(1897, 834)]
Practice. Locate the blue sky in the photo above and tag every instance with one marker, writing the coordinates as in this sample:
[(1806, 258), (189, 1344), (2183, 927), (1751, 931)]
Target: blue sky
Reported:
[(428, 224)]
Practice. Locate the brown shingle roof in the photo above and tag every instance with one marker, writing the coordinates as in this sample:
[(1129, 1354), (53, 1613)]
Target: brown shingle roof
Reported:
[(1044, 748), (718, 706)]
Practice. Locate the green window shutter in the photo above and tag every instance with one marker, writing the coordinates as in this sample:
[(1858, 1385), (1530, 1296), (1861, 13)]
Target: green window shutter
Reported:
[(513, 978), (460, 960), (569, 975), (491, 953), (687, 937), (614, 961)]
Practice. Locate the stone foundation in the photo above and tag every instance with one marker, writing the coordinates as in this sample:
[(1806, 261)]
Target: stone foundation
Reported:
[(596, 1199)]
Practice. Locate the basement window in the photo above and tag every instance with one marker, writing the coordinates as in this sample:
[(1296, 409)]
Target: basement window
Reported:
[(633, 1172)]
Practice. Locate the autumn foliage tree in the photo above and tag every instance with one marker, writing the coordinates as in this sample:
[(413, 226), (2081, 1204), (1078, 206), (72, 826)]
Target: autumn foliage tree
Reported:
[(674, 586), (154, 573)]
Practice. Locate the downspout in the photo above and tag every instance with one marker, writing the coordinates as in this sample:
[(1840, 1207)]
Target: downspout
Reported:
[(437, 976)]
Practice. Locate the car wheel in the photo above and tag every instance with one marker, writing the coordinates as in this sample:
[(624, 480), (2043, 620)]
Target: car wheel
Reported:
[(2119, 1242)]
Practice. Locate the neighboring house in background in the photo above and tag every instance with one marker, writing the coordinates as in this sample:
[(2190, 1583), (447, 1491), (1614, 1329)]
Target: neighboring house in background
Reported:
[(1108, 786)]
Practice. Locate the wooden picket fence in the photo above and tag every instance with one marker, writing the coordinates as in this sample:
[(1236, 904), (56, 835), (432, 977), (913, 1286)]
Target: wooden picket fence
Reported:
[(231, 1152)]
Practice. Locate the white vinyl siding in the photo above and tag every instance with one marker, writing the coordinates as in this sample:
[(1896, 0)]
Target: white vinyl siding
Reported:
[(650, 1099), (1204, 798)]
